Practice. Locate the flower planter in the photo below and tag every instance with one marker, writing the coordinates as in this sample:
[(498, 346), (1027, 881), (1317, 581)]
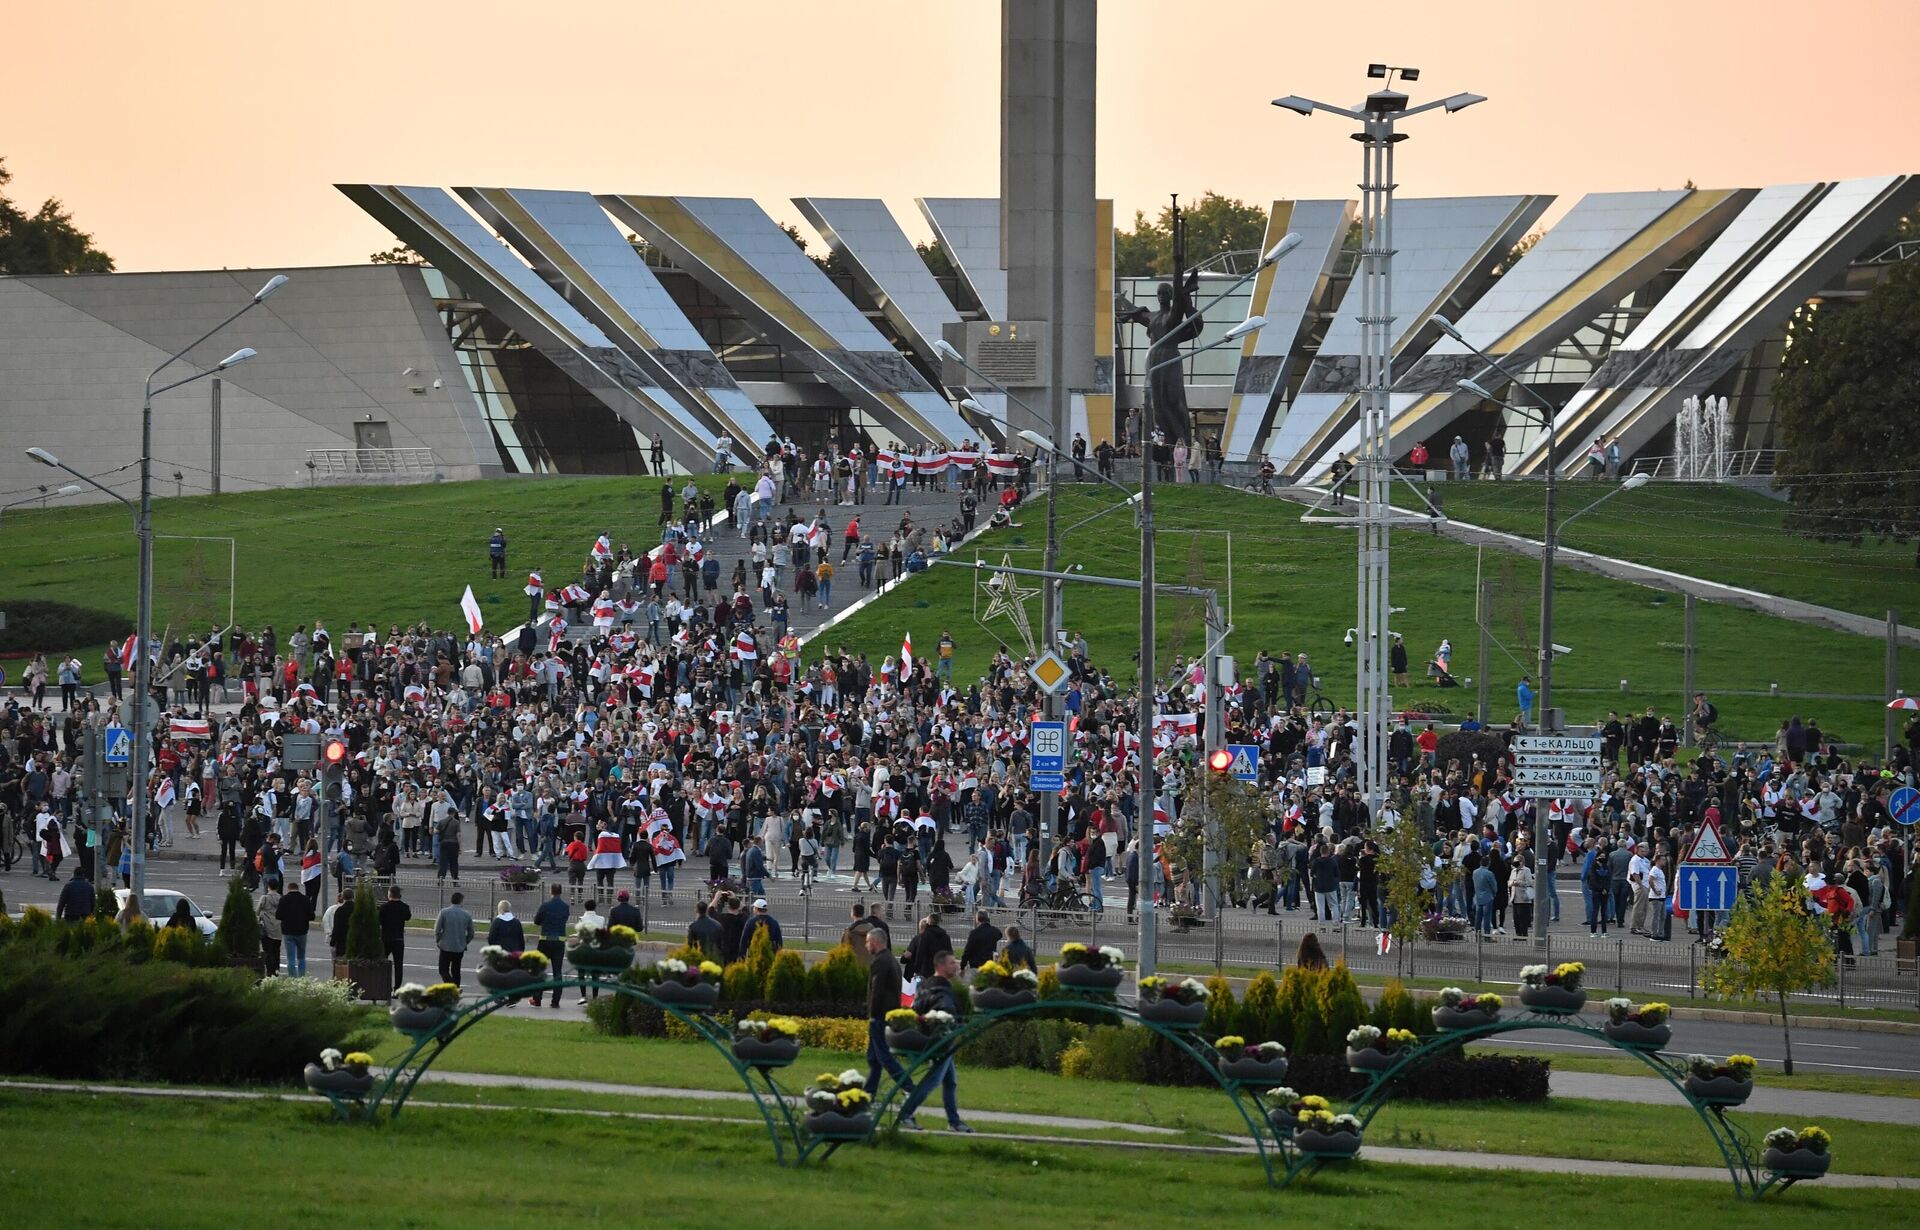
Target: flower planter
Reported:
[(832, 1125), (774, 1053), (1718, 1090), (1250, 1071), (1086, 978), (681, 995), (1172, 1013), (521, 883), (994, 999), (507, 979), (912, 1041), (600, 959), (418, 1022), (1798, 1163), (1371, 1060), (1282, 1121), (1454, 1018), (340, 1083), (1331, 1145), (1640, 1037), (1553, 1001)]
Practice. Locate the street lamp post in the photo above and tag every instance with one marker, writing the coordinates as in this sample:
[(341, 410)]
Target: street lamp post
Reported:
[(42, 495), (1378, 116), (143, 529)]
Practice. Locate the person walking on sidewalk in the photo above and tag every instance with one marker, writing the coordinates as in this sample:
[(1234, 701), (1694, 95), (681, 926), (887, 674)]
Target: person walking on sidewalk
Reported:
[(936, 995), (394, 916), (551, 918), (453, 935), (883, 996)]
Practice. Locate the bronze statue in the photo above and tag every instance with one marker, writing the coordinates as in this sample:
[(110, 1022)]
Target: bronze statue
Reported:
[(1169, 328)]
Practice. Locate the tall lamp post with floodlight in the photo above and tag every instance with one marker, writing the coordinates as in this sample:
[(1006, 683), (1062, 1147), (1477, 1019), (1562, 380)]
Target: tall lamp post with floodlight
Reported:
[(1377, 116), (143, 529), (1145, 793)]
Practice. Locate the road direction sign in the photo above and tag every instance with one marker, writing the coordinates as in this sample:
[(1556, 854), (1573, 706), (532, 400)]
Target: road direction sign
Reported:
[(1564, 745), (1585, 778), (1246, 761), (1047, 756), (1553, 790), (1706, 886), (1708, 847), (119, 746), (1049, 672), (1547, 760), (1905, 805)]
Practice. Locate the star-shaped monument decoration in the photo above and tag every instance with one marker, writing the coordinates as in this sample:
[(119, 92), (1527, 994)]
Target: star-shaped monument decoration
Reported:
[(1006, 596)]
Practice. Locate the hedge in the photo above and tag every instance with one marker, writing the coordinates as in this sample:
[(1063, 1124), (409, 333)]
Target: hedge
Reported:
[(36, 625), (84, 1002)]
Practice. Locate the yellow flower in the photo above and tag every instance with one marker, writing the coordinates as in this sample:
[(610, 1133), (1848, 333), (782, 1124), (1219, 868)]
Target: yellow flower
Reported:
[(710, 970), (994, 969), (1067, 948), (785, 1026), (358, 1059), (1229, 1042), (1741, 1066), (1314, 1101), (903, 1018)]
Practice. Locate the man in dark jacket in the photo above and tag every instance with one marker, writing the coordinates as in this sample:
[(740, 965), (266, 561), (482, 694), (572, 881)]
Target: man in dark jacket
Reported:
[(624, 912), (883, 996), (295, 913), (551, 918), (704, 933), (936, 995), (982, 942), (931, 942), (760, 921), (76, 898), (394, 915)]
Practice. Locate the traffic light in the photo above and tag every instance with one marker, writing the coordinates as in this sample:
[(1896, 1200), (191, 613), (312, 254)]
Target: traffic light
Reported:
[(1220, 761), (335, 754)]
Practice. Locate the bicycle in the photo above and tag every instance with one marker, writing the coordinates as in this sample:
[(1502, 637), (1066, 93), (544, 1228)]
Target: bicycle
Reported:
[(1066, 901), (1317, 703)]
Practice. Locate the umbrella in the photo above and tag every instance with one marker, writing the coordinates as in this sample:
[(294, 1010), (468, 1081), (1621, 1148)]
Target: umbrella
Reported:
[(1903, 702)]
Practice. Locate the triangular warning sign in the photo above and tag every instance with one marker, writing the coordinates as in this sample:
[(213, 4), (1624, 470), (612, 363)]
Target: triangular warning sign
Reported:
[(1708, 847), (1242, 764)]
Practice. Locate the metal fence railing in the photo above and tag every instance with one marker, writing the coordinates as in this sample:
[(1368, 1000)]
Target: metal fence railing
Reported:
[(1244, 940), (332, 462)]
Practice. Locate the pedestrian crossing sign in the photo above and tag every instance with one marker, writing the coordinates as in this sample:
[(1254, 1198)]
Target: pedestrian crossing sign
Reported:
[(1246, 761), (1709, 846)]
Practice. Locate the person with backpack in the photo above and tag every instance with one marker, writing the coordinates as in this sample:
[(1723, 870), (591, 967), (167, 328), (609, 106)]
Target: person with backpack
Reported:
[(1597, 876)]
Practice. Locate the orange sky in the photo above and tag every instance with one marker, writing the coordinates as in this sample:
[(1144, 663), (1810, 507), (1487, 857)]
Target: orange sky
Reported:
[(203, 134)]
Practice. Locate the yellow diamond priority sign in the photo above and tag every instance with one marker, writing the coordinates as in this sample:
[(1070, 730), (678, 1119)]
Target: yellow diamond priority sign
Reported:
[(1049, 672)]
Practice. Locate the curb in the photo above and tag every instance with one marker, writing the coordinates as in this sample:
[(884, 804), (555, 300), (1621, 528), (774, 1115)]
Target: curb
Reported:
[(1840, 1024)]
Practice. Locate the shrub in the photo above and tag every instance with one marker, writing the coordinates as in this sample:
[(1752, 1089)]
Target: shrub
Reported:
[(36, 624), (1076, 1062), (1259, 1017), (1341, 1006), (738, 983), (1395, 1008), (174, 944), (1036, 1043), (1223, 1014), (759, 957), (826, 1033), (786, 978), (838, 977), (137, 943), (239, 922), (363, 928), (1299, 1013), (102, 1014), (1464, 745), (1049, 986)]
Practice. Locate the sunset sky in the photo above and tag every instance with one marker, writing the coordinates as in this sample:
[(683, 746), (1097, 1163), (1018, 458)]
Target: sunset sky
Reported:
[(200, 134)]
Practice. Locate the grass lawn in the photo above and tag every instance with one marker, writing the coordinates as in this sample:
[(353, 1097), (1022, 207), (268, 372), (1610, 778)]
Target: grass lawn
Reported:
[(1720, 533), (1563, 1127), (379, 554), (1292, 588), (215, 1164)]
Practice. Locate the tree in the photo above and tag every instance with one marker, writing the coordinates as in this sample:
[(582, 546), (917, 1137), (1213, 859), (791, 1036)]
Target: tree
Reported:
[(398, 254), (239, 922), (45, 241), (1241, 815), (1215, 224), (1775, 945), (1846, 396), (939, 261), (363, 928), (1405, 860)]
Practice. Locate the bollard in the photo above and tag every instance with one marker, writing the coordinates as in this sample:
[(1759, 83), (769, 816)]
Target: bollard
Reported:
[(1620, 967), (1279, 944), (806, 917), (1840, 967), (1479, 957), (1345, 952)]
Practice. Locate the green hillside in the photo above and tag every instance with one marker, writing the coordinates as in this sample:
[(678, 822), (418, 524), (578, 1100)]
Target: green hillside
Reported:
[(1293, 590), (1717, 532)]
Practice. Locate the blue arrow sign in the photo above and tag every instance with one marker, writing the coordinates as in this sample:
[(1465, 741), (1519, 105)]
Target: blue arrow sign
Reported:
[(1905, 805), (1706, 886), (1047, 757), (119, 745), (1246, 761)]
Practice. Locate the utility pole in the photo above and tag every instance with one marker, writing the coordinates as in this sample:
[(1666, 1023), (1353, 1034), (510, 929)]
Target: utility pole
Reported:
[(1686, 684), (1484, 600), (1892, 681), (215, 409)]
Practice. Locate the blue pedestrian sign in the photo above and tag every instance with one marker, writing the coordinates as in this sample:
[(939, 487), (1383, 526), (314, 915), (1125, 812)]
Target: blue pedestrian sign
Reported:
[(1707, 886), (1905, 805), (119, 745), (1246, 761), (1047, 757)]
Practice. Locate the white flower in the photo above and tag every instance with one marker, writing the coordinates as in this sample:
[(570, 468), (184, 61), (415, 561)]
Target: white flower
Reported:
[(853, 1078), (1532, 971), (408, 990), (1026, 977), (1346, 1121), (1282, 1095), (330, 1058), (670, 965), (493, 951), (1193, 986), (1113, 954), (583, 927), (937, 1018), (1620, 1004), (1363, 1036)]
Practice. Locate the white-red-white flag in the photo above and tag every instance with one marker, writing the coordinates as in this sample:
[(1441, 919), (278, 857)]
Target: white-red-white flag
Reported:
[(906, 655), (470, 607), (190, 728)]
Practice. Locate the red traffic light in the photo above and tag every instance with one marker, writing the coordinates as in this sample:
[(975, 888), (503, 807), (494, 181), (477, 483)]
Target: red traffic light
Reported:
[(1220, 761), (335, 752)]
